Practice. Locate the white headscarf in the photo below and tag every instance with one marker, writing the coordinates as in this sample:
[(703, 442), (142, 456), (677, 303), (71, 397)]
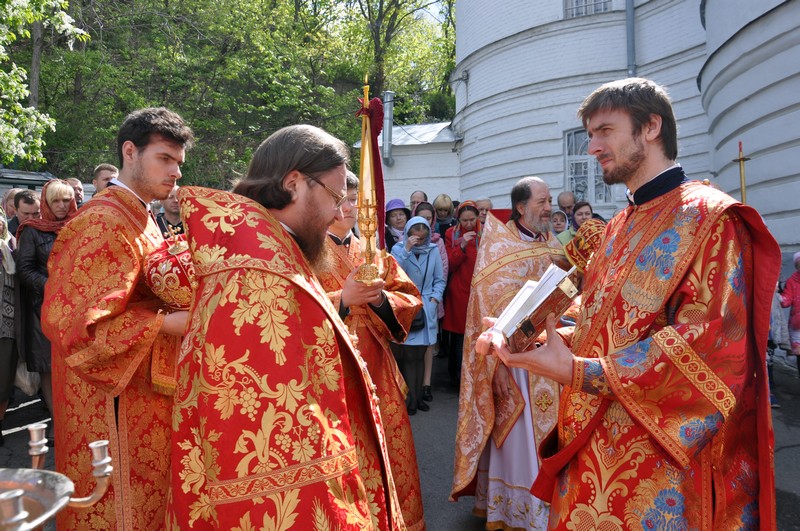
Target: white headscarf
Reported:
[(5, 246)]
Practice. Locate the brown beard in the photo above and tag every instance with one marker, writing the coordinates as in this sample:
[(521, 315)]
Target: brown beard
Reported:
[(623, 172), (314, 249), (324, 263)]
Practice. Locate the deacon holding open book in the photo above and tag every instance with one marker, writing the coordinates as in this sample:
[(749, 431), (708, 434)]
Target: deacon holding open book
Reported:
[(665, 416)]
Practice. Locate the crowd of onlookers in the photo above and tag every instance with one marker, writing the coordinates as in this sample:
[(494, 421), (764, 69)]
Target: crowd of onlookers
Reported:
[(436, 243)]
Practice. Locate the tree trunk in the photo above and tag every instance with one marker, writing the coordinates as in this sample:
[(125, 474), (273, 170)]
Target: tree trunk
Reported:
[(36, 64)]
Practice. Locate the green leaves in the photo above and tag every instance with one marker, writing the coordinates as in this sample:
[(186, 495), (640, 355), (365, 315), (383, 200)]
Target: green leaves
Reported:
[(22, 127), (237, 70)]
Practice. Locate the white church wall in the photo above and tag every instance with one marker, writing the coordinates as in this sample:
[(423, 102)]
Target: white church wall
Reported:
[(432, 168), (751, 93)]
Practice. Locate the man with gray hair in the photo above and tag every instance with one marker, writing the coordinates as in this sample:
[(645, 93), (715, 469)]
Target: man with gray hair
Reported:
[(276, 416), (566, 203), (499, 473), (484, 206)]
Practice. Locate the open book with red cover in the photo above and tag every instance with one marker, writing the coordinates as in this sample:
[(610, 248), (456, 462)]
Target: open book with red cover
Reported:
[(523, 320)]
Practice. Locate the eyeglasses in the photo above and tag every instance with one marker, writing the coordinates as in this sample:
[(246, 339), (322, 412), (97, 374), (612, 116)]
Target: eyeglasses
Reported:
[(340, 199)]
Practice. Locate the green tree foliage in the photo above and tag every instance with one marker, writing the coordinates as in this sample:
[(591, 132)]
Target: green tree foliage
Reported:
[(22, 127), (237, 70)]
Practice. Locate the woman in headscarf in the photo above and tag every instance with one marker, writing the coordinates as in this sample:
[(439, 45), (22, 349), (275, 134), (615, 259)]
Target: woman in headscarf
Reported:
[(420, 259), (558, 222), (461, 241), (581, 213), (35, 238), (8, 354), (396, 217), (427, 211)]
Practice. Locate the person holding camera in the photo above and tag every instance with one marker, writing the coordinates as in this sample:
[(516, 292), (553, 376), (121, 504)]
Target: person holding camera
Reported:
[(420, 259)]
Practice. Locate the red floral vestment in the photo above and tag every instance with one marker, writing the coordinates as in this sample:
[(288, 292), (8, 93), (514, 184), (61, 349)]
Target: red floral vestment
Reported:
[(373, 345), (276, 423), (113, 372), (672, 332)]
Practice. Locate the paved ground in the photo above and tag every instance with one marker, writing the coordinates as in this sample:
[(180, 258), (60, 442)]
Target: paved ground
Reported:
[(434, 433)]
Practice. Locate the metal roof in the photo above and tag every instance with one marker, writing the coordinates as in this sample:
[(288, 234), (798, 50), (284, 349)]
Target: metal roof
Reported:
[(24, 179), (418, 134)]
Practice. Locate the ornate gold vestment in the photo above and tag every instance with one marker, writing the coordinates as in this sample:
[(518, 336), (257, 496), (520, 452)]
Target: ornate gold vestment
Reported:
[(671, 338), (373, 345), (505, 262)]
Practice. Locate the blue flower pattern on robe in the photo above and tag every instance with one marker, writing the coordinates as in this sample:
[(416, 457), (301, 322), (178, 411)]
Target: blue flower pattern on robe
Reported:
[(635, 355), (698, 432), (660, 255), (667, 512), (736, 278)]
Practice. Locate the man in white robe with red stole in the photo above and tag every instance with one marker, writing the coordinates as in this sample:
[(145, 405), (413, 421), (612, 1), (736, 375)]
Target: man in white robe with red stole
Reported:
[(376, 313), (114, 347), (665, 418), (276, 421), (516, 408)]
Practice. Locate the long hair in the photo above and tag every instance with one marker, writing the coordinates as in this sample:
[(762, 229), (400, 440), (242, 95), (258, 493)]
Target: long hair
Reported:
[(305, 148)]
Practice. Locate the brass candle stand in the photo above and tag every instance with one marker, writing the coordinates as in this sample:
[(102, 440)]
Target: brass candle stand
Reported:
[(29, 497)]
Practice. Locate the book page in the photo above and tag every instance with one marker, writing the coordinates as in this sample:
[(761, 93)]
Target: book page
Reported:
[(530, 297)]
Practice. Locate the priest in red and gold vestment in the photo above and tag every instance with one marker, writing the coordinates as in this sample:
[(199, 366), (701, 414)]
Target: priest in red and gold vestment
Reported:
[(504, 413), (664, 421), (113, 348), (276, 421), (377, 313)]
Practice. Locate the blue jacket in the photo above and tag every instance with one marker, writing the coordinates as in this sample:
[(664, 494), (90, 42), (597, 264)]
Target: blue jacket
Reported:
[(414, 263)]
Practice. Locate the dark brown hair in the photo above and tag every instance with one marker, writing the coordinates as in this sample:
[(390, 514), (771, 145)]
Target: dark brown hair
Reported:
[(304, 148), (140, 126), (640, 98)]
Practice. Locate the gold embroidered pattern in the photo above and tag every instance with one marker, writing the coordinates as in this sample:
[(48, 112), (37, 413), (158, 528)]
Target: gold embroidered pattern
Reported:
[(695, 370), (544, 401), (295, 476)]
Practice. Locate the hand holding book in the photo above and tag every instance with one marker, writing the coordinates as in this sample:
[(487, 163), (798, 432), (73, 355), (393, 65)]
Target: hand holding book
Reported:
[(553, 359), (523, 319)]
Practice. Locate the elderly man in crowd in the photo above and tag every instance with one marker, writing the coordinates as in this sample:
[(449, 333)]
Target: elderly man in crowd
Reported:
[(484, 206), (500, 471), (566, 203)]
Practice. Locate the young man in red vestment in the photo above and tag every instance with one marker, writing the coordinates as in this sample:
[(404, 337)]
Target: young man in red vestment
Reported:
[(665, 417), (377, 313), (114, 348), (276, 422)]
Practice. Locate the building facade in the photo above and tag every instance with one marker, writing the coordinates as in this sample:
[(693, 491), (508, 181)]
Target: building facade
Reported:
[(732, 68)]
